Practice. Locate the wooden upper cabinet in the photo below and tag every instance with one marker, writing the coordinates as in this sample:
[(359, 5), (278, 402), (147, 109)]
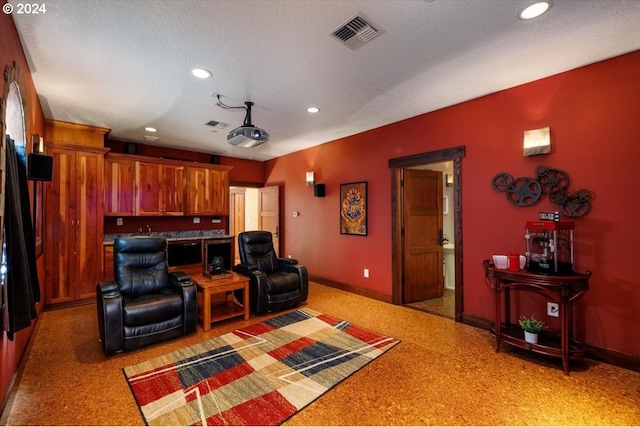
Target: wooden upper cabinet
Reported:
[(207, 191), (119, 191), (147, 186), (219, 192), (159, 189), (197, 191)]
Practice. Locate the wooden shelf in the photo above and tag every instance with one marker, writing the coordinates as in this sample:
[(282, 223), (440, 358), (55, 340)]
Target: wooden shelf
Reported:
[(549, 343), (225, 310)]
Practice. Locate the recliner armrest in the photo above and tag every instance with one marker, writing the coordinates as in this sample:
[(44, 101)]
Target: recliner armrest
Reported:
[(245, 269), (180, 277), (108, 287), (287, 261)]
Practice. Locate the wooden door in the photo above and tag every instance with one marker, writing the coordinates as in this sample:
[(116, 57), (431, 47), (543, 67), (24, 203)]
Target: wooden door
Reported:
[(119, 187), (172, 190), (237, 215), (89, 177), (148, 188), (269, 213), (422, 250), (60, 228)]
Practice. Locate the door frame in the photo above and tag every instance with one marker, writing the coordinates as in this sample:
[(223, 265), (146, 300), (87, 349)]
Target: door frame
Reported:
[(396, 165)]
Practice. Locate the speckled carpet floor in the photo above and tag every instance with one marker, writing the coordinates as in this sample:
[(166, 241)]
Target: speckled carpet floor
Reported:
[(442, 373)]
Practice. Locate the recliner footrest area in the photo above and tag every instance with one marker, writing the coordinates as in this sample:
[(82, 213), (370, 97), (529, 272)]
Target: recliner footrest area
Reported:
[(281, 282), (151, 308)]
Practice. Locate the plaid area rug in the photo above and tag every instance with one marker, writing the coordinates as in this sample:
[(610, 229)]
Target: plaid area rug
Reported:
[(258, 375)]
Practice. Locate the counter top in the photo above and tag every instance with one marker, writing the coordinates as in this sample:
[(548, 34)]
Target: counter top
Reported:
[(172, 236)]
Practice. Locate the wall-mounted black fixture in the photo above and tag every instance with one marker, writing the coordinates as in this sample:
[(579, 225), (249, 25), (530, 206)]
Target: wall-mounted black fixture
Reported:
[(318, 190)]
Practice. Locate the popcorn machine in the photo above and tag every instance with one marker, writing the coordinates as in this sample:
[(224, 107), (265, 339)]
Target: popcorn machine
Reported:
[(549, 247)]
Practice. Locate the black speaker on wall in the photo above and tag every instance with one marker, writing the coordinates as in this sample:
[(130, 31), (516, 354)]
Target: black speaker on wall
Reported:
[(130, 148), (318, 190), (39, 167), (215, 159)]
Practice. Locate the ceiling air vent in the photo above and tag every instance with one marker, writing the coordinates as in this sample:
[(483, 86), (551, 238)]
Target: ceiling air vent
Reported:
[(355, 33), (217, 125)]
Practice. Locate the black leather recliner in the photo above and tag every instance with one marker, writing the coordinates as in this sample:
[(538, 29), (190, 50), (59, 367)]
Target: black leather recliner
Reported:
[(275, 283), (144, 303)]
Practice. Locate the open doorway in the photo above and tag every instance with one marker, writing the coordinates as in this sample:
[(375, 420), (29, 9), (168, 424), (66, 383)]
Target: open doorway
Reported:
[(252, 208), (448, 165)]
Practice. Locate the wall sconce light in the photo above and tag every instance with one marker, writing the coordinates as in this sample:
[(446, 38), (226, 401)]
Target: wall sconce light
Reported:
[(310, 178), (37, 143), (448, 179), (537, 141)]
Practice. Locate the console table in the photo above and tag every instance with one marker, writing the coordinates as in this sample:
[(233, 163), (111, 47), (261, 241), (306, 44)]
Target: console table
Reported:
[(563, 290)]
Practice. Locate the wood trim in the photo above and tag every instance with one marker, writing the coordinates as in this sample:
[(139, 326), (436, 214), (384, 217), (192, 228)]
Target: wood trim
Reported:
[(165, 161), (397, 165), (74, 133), (350, 288)]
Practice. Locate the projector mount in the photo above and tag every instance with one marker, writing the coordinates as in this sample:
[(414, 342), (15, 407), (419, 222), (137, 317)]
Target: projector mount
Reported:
[(247, 107), (246, 135)]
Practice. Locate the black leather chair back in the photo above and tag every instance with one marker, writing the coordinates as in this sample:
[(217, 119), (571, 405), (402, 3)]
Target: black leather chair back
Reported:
[(256, 248), (140, 265)]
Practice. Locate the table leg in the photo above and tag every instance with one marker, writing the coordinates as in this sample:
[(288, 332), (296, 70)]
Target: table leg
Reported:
[(245, 297), (206, 310)]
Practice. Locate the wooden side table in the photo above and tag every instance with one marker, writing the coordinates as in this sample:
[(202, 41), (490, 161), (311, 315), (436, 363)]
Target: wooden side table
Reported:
[(208, 311), (564, 290)]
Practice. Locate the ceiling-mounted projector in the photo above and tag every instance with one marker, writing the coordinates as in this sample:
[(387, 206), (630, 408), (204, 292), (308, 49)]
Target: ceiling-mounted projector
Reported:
[(247, 135)]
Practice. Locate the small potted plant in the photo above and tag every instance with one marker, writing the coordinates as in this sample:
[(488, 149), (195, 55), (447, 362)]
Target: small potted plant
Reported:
[(531, 327)]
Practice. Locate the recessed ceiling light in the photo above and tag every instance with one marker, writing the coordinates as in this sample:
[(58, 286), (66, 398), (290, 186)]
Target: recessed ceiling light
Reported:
[(201, 73), (313, 110), (534, 10), (150, 129)]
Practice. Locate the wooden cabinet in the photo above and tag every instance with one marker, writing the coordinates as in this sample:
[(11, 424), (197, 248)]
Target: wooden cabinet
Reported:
[(108, 273), (146, 186), (207, 191), (73, 224), (159, 189), (119, 191)]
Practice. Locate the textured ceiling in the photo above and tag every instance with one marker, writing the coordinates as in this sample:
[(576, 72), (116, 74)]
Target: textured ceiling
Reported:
[(125, 65)]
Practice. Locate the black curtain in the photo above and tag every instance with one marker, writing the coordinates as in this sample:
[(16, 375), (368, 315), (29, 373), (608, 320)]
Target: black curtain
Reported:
[(22, 287)]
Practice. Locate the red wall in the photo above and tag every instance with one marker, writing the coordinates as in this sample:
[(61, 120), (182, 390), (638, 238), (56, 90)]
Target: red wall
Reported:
[(593, 114), (10, 51)]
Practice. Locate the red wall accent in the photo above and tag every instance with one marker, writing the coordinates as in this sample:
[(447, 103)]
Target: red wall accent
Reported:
[(593, 113), (11, 50)]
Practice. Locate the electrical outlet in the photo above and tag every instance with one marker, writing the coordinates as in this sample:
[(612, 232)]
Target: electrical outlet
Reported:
[(119, 221), (553, 309), (196, 220), (366, 272)]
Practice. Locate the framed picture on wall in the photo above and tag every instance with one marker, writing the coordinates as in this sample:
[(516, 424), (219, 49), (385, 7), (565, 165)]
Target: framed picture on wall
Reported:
[(353, 208)]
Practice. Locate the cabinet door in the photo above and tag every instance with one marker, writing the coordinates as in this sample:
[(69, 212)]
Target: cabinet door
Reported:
[(60, 228), (219, 192), (119, 187), (148, 188), (197, 190), (172, 190), (89, 177)]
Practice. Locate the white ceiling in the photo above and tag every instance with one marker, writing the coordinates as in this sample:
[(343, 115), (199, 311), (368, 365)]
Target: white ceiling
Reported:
[(125, 65)]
